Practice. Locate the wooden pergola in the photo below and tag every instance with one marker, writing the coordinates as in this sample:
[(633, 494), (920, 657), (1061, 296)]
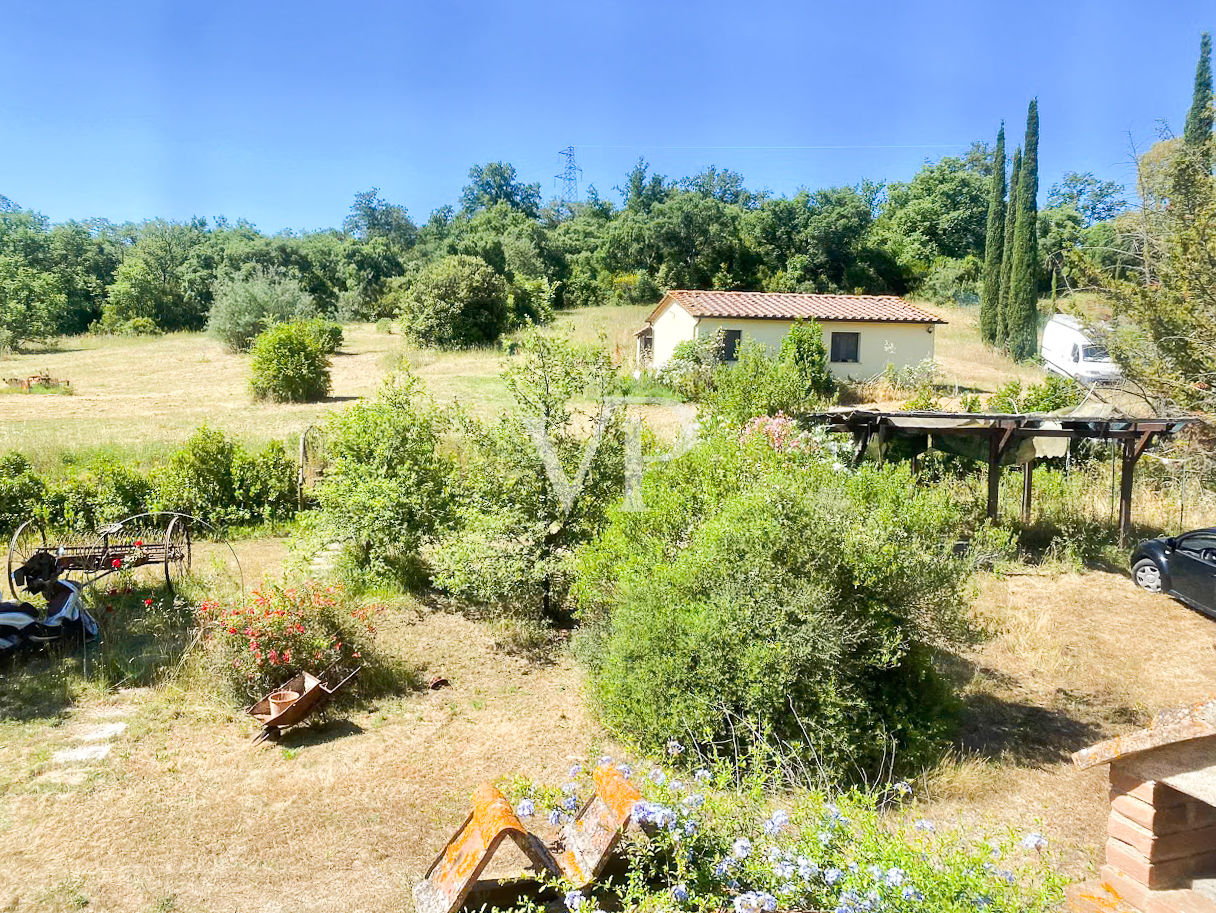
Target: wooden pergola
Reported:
[(1004, 432)]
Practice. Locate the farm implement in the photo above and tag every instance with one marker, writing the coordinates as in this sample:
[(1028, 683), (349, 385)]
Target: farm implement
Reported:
[(146, 540), (579, 855)]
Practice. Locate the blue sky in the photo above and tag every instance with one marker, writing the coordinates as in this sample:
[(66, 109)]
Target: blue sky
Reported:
[(280, 112)]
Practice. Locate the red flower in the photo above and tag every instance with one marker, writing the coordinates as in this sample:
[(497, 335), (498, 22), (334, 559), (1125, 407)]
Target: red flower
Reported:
[(139, 543), (232, 630), (148, 602), (116, 563)]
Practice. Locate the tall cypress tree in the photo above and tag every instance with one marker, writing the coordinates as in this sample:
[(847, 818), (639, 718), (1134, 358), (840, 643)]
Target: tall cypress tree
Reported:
[(1199, 119), (994, 243), (1002, 308), (1022, 316)]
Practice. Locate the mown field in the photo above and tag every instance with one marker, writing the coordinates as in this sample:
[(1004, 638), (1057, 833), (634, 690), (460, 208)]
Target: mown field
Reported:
[(182, 814)]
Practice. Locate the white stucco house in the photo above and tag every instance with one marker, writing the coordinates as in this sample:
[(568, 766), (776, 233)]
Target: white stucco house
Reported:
[(862, 333)]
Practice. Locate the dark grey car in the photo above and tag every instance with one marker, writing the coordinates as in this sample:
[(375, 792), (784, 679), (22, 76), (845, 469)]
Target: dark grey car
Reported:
[(1182, 566)]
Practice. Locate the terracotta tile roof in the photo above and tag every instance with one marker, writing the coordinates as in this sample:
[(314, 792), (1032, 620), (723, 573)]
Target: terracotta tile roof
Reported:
[(790, 306)]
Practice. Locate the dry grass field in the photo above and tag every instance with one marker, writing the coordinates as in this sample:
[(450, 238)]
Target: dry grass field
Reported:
[(140, 395)]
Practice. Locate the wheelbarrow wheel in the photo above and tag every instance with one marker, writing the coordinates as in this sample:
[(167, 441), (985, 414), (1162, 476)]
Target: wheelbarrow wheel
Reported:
[(29, 539)]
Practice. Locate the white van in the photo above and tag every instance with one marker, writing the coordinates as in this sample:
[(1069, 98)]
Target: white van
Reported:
[(1068, 350)]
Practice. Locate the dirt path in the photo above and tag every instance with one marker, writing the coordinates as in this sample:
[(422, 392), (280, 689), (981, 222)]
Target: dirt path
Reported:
[(183, 814)]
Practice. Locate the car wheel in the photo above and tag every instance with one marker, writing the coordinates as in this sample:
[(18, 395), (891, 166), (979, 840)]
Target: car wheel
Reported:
[(1147, 575)]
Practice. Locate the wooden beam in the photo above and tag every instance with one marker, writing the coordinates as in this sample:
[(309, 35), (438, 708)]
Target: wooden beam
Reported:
[(1132, 449), (1027, 488), (994, 474)]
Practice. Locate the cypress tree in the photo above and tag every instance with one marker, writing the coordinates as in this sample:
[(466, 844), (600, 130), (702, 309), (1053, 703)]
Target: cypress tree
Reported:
[(1002, 307), (1199, 119), (1022, 316), (994, 243)]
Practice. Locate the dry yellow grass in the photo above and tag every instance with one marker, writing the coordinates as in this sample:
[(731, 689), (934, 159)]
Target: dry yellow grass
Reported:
[(185, 814)]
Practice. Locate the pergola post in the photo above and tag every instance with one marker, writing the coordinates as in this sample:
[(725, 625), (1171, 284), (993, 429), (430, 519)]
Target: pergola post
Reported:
[(1027, 488), (1132, 449), (994, 474)]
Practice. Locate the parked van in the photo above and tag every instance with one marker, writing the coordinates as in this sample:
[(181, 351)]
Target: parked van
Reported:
[(1068, 350)]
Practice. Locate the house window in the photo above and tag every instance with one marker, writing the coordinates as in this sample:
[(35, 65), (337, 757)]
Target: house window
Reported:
[(730, 345), (845, 348)]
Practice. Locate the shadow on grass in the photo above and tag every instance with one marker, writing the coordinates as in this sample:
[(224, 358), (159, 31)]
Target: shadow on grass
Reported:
[(1028, 734), (318, 733), (36, 686)]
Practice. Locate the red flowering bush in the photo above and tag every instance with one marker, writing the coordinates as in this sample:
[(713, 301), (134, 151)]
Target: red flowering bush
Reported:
[(278, 632)]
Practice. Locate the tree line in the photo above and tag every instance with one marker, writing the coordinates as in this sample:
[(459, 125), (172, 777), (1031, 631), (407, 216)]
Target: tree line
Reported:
[(527, 258)]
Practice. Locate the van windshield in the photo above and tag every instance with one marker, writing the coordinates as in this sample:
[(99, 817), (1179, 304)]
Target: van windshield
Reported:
[(1095, 353)]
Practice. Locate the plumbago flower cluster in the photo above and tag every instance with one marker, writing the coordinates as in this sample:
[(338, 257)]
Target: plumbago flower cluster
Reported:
[(708, 844), (281, 630)]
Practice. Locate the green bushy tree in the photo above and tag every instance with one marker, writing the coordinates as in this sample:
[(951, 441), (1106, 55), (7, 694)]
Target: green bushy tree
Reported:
[(456, 301), (386, 487), (289, 363), (244, 306), (767, 597)]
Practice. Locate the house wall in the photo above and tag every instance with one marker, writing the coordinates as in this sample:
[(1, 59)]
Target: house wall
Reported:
[(672, 327), (879, 344)]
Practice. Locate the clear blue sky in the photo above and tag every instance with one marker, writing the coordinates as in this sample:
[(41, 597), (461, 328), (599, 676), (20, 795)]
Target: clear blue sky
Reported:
[(280, 112)]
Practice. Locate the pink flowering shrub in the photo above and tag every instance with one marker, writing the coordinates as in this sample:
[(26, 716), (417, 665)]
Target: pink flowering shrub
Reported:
[(782, 433)]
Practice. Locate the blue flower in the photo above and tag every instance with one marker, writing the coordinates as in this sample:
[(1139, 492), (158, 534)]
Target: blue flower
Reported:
[(923, 824), (674, 748), (742, 848), (556, 817), (701, 775), (722, 868), (570, 789), (875, 871), (755, 902), (570, 803), (1033, 842), (983, 900), (691, 827), (658, 777), (677, 785), (779, 819), (894, 877), (910, 893), (825, 838), (807, 869), (833, 875), (575, 900), (902, 788), (525, 809), (626, 771), (575, 771), (784, 870), (679, 893), (604, 761), (693, 801)]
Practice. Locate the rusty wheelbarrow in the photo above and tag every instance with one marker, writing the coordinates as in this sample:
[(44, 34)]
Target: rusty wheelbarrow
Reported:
[(296, 700)]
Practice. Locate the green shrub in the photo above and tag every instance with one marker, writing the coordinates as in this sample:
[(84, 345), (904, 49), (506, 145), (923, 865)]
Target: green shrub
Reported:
[(215, 479), (1053, 393), (264, 483), (760, 384), (690, 370), (107, 491), (21, 491), (804, 350), (954, 281), (386, 485), (244, 306), (765, 595), (509, 548), (456, 301), (327, 332), (290, 364)]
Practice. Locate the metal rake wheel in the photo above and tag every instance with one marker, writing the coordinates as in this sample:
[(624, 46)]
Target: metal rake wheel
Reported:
[(28, 540)]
